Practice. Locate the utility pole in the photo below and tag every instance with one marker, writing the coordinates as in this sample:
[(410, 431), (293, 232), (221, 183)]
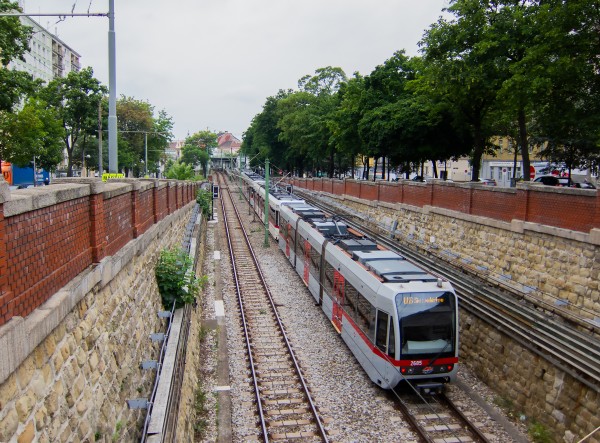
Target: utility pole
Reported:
[(266, 203), (100, 170), (146, 153), (113, 159)]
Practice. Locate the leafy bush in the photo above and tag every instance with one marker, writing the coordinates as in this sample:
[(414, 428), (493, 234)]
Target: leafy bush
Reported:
[(204, 200), (175, 278), (181, 171)]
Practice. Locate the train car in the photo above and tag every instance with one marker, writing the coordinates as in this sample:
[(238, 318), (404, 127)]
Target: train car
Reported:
[(278, 196), (400, 321)]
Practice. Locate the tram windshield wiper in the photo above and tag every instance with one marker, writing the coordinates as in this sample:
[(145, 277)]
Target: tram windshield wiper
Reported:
[(432, 361)]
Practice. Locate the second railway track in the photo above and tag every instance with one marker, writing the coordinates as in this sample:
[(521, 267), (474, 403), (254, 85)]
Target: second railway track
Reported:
[(284, 405)]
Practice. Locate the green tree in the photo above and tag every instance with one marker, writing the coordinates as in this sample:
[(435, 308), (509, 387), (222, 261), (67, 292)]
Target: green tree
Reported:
[(135, 121), (345, 121), (197, 148), (306, 118), (263, 138), (34, 131), (568, 84), (14, 36), (460, 70), (384, 91), (294, 115), (207, 140), (76, 99), (180, 171), (158, 141), (14, 87)]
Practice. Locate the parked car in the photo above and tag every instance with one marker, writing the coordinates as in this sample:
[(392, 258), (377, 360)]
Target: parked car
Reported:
[(487, 181), (552, 180), (583, 185), (418, 178)]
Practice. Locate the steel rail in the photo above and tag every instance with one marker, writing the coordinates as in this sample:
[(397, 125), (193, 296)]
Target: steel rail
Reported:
[(291, 353), (263, 424), (572, 351), (469, 424)]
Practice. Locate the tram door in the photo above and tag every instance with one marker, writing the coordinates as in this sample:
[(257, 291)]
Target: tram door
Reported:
[(306, 261), (339, 286)]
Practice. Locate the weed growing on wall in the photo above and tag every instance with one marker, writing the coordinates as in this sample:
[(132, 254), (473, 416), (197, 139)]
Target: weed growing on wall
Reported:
[(175, 278)]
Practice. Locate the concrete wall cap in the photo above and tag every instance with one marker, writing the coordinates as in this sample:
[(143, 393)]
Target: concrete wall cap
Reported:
[(137, 184), (4, 190), (114, 189), (30, 199), (540, 187), (96, 185)]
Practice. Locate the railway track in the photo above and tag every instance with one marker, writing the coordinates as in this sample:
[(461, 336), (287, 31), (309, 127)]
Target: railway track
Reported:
[(284, 405), (437, 419), (574, 352)]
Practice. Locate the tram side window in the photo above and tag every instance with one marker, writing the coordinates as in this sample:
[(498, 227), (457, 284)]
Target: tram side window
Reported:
[(293, 238), (328, 283), (383, 340), (365, 317), (283, 230), (351, 302), (300, 246), (315, 259), (261, 202)]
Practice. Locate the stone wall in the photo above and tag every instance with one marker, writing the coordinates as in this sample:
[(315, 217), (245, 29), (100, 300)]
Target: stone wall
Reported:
[(553, 263), (93, 334), (527, 384), (187, 412)]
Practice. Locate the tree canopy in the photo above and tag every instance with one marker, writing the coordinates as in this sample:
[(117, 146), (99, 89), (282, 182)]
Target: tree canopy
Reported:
[(524, 69)]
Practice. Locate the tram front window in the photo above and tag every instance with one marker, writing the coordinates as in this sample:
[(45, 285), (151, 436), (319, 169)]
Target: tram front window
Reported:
[(427, 324)]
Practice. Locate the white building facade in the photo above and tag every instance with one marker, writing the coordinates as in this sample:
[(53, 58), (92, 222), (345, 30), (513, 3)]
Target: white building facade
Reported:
[(48, 56)]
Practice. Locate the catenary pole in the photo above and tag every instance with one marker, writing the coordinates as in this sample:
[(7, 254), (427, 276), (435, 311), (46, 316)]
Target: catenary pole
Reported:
[(113, 160), (100, 170), (266, 203)]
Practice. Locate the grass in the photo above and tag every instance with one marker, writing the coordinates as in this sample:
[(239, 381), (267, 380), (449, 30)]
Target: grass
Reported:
[(117, 434), (539, 433), (200, 410)]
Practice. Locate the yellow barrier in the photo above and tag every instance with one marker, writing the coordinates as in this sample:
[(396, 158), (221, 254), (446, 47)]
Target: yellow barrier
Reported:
[(109, 176)]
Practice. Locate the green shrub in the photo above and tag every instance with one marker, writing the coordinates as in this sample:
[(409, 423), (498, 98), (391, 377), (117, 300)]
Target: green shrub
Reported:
[(175, 278), (204, 200)]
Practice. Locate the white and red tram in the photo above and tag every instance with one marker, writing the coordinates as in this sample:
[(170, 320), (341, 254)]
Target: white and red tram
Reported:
[(399, 320)]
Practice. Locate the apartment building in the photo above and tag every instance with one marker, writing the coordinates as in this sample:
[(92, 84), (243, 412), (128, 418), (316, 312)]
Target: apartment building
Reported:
[(48, 56)]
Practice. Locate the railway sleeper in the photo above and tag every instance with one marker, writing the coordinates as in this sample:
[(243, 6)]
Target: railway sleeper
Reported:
[(292, 411)]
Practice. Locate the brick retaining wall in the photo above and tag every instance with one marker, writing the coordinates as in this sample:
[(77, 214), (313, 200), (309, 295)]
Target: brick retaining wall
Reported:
[(565, 208), (50, 234)]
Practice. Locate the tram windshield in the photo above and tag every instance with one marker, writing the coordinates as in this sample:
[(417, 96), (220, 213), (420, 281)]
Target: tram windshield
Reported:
[(427, 324)]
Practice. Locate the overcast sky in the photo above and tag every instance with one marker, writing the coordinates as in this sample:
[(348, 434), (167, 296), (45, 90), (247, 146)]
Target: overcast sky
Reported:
[(212, 63)]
